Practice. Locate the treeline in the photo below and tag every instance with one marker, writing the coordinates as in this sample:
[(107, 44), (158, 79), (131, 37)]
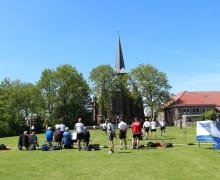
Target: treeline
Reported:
[(60, 95)]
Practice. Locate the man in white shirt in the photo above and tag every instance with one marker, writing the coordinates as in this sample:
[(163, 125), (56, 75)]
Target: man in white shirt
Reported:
[(79, 128), (162, 127), (122, 126), (146, 127), (153, 127)]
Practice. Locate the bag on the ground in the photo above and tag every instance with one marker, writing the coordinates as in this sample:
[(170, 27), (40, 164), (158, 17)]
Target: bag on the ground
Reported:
[(166, 145), (3, 147), (94, 147), (44, 147), (151, 144)]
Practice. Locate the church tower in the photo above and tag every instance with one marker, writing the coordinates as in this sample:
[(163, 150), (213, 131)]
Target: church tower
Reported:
[(119, 62), (122, 103)]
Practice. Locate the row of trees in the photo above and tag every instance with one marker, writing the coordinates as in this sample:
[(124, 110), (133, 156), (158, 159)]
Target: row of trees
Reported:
[(63, 95), (60, 95)]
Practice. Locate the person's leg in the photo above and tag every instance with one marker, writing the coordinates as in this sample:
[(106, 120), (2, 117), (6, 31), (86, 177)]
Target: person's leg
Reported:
[(137, 145), (125, 143), (79, 144), (120, 144)]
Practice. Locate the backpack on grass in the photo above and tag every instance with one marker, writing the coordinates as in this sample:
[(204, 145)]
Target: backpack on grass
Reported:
[(44, 147)]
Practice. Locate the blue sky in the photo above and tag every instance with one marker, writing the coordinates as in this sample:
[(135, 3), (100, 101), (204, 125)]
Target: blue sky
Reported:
[(178, 37)]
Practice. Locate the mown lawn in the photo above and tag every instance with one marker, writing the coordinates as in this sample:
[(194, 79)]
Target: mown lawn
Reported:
[(182, 161)]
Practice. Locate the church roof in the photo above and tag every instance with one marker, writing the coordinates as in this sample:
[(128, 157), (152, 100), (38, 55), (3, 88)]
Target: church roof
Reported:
[(119, 63)]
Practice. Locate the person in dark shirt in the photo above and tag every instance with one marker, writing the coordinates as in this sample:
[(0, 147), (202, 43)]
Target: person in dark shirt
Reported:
[(23, 141), (86, 135), (58, 136)]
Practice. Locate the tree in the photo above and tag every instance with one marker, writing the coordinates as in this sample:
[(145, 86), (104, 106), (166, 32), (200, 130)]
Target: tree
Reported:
[(65, 94), (151, 84), (209, 115), (18, 100), (102, 82), (48, 86)]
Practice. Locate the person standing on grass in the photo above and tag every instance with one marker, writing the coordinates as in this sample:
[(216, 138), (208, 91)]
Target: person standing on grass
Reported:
[(86, 135), (153, 128), (111, 134), (79, 128), (162, 127), (122, 126), (136, 132), (146, 127)]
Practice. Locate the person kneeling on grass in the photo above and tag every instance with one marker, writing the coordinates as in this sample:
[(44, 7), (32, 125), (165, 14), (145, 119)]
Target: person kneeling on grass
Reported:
[(67, 139), (33, 141)]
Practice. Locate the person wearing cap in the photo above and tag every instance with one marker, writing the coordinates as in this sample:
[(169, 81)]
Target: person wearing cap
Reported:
[(67, 139), (49, 136)]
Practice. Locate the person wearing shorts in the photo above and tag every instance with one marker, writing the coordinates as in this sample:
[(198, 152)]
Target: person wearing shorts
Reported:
[(79, 128), (162, 127), (146, 128), (153, 128), (136, 131), (111, 134), (122, 126)]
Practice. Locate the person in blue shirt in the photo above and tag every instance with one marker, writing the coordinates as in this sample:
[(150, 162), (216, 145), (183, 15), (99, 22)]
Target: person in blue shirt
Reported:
[(49, 136), (67, 139)]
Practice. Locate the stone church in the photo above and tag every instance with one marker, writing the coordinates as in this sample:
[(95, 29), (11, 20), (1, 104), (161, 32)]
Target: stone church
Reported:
[(123, 105)]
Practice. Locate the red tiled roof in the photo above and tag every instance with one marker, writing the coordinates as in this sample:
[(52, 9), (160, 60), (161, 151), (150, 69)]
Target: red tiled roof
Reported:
[(196, 98)]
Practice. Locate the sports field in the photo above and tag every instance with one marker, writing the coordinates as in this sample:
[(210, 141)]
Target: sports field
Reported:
[(182, 161)]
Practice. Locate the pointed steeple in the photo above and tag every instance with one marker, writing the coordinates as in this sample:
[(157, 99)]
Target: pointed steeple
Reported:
[(119, 63)]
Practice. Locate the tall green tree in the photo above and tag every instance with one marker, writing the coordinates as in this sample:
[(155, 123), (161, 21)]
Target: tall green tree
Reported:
[(18, 100), (65, 94), (48, 86), (151, 84), (102, 82)]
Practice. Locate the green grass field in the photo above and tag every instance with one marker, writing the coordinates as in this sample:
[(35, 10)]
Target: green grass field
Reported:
[(182, 161)]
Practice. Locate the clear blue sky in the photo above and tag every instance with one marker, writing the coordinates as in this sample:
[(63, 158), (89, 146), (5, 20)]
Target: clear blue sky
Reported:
[(179, 37)]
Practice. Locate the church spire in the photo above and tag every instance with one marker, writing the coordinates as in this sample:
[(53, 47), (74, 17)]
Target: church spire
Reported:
[(119, 63)]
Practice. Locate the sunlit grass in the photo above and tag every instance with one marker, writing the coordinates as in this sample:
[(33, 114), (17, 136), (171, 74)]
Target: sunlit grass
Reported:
[(179, 162)]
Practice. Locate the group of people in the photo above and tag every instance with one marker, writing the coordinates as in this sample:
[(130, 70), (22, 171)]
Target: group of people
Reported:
[(150, 128), (138, 130), (28, 141), (64, 138)]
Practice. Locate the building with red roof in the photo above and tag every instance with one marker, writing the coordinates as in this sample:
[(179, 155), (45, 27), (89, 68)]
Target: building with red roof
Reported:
[(191, 104)]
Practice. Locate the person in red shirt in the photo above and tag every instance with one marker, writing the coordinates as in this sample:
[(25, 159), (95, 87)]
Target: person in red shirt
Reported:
[(136, 131)]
